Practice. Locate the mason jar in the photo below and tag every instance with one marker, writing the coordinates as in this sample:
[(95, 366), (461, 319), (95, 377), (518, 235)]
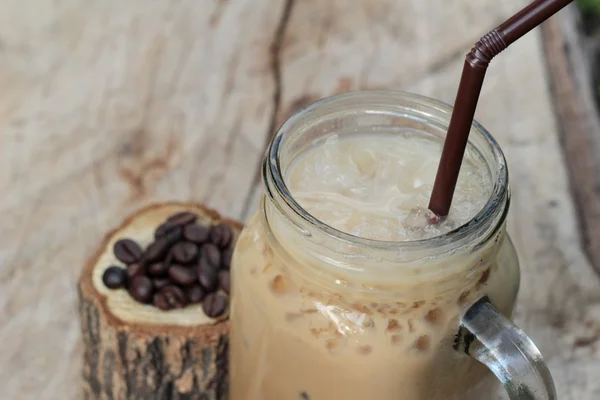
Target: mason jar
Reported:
[(321, 314)]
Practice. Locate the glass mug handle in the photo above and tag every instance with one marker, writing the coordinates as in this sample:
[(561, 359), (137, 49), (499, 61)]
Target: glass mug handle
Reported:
[(486, 335)]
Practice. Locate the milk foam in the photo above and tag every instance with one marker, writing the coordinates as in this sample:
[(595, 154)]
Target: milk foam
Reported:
[(377, 185)]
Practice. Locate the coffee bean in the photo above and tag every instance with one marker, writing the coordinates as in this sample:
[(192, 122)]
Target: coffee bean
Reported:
[(114, 277), (185, 252), (196, 233), (221, 235), (158, 269), (182, 275), (174, 235), (174, 296), (141, 289), (137, 269), (214, 305), (168, 261), (127, 251), (156, 251), (194, 294), (226, 257), (160, 301), (224, 280), (160, 283), (207, 276), (163, 229), (211, 253), (182, 218)]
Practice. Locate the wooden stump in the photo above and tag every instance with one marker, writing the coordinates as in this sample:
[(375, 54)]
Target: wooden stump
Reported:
[(136, 351)]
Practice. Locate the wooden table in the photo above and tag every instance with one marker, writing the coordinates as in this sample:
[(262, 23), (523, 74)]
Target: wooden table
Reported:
[(108, 105)]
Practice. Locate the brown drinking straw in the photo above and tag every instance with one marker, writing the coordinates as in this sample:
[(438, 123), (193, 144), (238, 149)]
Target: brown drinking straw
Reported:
[(476, 64)]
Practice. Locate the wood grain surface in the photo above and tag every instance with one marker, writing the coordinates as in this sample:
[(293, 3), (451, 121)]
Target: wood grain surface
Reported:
[(108, 105), (569, 54)]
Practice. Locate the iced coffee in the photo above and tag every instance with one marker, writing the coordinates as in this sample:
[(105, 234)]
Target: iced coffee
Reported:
[(344, 284)]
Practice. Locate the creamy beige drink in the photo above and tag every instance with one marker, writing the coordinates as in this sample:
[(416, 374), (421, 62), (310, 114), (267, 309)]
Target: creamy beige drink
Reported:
[(376, 185), (323, 316)]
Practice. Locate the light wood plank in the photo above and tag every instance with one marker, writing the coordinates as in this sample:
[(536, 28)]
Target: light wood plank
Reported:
[(570, 55), (107, 106)]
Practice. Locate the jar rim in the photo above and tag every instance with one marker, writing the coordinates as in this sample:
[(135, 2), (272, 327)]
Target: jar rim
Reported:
[(499, 196)]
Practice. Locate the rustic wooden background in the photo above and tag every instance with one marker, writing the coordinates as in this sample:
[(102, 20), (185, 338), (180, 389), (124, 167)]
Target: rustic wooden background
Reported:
[(107, 105)]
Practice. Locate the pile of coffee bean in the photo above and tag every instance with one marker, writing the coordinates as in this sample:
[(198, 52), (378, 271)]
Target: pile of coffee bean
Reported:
[(187, 263)]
